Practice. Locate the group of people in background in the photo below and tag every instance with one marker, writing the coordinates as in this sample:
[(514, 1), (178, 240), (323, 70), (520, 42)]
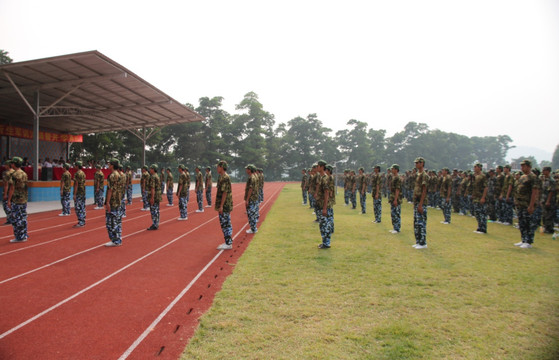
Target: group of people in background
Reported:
[(117, 194), (498, 195)]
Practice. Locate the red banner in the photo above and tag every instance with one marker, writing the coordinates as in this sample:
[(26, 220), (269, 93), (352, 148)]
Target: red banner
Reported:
[(18, 132)]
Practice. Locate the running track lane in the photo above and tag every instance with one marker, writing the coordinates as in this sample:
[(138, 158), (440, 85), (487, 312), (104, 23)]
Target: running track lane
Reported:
[(66, 297)]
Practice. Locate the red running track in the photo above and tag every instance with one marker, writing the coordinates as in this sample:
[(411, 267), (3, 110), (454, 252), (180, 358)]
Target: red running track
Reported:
[(66, 296)]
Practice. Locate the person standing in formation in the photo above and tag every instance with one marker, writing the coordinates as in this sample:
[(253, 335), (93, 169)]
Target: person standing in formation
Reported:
[(113, 216), (208, 181), (128, 185), (419, 208), (362, 189), (395, 199), (17, 201), (479, 194), (143, 183), (98, 186), (199, 189), (224, 205), (65, 186), (525, 199), (304, 186), (183, 192), (79, 194), (170, 187), (154, 194), (376, 181), (122, 190), (445, 193), (6, 176), (251, 199)]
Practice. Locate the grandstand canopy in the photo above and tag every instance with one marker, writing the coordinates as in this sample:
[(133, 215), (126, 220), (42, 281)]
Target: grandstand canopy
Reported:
[(84, 93)]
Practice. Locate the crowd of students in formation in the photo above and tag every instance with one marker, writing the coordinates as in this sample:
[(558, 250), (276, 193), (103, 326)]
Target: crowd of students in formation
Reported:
[(118, 193), (499, 195)]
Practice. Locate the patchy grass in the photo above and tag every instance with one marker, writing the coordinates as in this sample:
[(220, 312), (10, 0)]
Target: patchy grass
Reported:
[(372, 296)]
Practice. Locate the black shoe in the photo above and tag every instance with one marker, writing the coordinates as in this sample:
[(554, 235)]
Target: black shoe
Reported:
[(7, 223), (322, 246), (152, 228)]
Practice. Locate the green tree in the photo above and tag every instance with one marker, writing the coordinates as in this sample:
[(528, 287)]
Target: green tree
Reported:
[(4, 57), (355, 144)]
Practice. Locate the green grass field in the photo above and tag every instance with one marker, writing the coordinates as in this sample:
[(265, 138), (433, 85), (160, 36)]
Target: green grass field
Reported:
[(373, 296)]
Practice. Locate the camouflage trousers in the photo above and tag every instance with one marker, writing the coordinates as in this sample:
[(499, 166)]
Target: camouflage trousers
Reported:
[(480, 212), (491, 208), (162, 187), (507, 212), (304, 191), (79, 207), (170, 195), (113, 222), (183, 206), (431, 198), (347, 196), (154, 210), (395, 214), (7, 210), (377, 206), (123, 207), (261, 195), (420, 225), (447, 209), (527, 231), (464, 205), (145, 199), (99, 198), (253, 214), (65, 201), (311, 201), (226, 227), (353, 199), (199, 199), (326, 226), (536, 218), (548, 217), (129, 194), (19, 221), (456, 203), (209, 196), (499, 209), (363, 202)]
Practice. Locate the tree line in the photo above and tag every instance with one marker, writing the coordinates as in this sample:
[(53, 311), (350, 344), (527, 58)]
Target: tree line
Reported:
[(282, 150)]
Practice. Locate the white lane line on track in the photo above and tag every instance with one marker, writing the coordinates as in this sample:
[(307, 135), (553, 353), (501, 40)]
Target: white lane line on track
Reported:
[(41, 314), (152, 326)]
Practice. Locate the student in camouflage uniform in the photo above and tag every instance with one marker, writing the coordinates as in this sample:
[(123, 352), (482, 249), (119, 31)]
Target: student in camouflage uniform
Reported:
[(251, 198), (499, 182), (183, 191), (456, 179), (122, 190), (362, 189), (526, 197), (445, 194), (308, 187), (208, 181), (154, 195), (6, 175), (547, 199), (17, 201), (79, 194), (347, 187), (376, 182), (304, 185), (326, 199), (199, 189), (419, 208), (507, 197), (353, 184), (490, 198), (479, 197), (260, 174), (113, 216), (98, 186), (224, 205), (65, 186), (395, 199), (163, 182), (128, 185), (432, 189), (143, 183), (170, 187)]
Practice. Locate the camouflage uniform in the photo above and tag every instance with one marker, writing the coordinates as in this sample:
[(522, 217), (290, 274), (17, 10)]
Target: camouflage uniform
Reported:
[(170, 188), (548, 187), (446, 205), (122, 192), (395, 211), (79, 201), (326, 222), (261, 186), (304, 188), (209, 188), (6, 176), (65, 197), (479, 187), (144, 179), (18, 181), (490, 199), (113, 218), (420, 220), (526, 185), (353, 195), (154, 183), (98, 185), (362, 189), (224, 186), (499, 183), (252, 202), (199, 188), (376, 182), (184, 185), (507, 202), (128, 187), (347, 188), (456, 180)]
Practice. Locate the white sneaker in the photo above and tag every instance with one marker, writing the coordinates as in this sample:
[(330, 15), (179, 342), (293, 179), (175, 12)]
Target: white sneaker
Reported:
[(169, 204), (526, 246), (111, 244), (506, 223), (394, 232), (415, 245), (478, 232), (144, 209), (199, 211), (249, 231), (445, 222), (421, 246), (123, 216), (97, 208), (313, 213), (225, 247), (182, 219), (18, 241), (208, 206), (519, 244), (375, 222)]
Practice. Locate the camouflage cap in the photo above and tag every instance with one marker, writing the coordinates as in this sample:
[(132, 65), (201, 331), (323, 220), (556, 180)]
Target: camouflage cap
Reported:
[(145, 167), (17, 161), (114, 162), (361, 168), (395, 166), (546, 168), (446, 169), (321, 163), (66, 166), (500, 167), (78, 163), (526, 162), (329, 168), (7, 162), (479, 165), (208, 168), (419, 160), (154, 167), (182, 167), (223, 164), (508, 167), (98, 166), (250, 167)]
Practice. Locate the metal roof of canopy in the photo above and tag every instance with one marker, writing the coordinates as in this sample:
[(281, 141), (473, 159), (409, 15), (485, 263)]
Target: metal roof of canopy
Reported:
[(84, 93)]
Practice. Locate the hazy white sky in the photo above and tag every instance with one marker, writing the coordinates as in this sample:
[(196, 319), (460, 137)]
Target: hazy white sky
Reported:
[(477, 67)]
